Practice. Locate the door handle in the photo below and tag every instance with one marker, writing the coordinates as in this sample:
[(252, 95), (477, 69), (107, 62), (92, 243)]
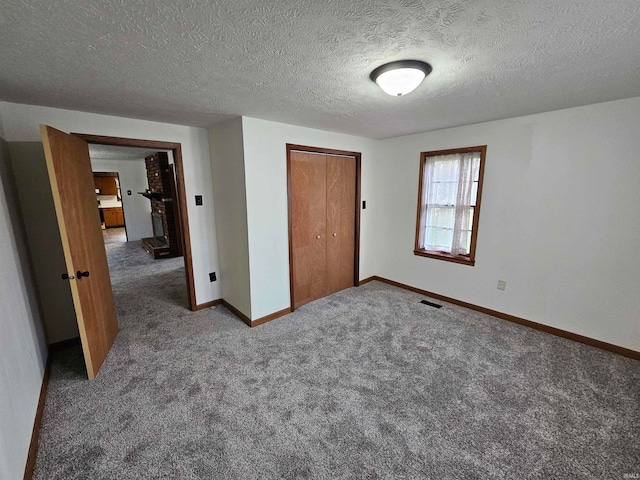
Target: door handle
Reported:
[(318, 237), (335, 234), (80, 274), (66, 276)]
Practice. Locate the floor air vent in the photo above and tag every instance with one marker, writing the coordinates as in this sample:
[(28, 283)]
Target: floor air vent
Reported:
[(431, 304)]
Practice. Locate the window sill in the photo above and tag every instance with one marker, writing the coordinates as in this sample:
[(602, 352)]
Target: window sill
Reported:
[(447, 257)]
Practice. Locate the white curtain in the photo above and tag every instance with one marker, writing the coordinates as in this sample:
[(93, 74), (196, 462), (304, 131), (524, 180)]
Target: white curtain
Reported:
[(448, 198)]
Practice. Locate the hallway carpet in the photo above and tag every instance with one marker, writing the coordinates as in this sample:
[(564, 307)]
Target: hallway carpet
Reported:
[(366, 383)]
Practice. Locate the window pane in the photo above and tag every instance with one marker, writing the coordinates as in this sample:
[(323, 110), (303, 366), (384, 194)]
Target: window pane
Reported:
[(446, 170), (441, 217), (444, 193), (466, 242), (466, 219), (439, 239), (475, 169)]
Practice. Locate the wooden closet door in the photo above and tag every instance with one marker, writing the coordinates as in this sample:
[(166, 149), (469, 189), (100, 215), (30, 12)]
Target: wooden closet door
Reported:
[(341, 221), (309, 226)]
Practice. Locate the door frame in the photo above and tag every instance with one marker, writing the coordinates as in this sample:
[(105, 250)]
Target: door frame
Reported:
[(176, 149), (356, 248)]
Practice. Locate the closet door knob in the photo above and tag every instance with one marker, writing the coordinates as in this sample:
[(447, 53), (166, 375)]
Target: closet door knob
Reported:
[(318, 237), (335, 234)]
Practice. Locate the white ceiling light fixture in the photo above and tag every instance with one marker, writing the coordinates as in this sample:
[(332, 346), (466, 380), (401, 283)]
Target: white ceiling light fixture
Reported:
[(401, 77)]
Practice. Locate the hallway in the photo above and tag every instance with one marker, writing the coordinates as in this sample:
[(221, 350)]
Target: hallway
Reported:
[(114, 235)]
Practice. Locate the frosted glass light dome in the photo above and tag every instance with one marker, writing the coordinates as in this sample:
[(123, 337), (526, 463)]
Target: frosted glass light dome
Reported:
[(402, 77)]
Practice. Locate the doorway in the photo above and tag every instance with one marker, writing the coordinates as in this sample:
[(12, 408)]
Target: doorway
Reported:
[(175, 150), (324, 221), (74, 195), (110, 206)]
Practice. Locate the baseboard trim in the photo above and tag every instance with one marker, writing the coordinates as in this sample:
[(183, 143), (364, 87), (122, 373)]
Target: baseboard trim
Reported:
[(259, 321), (367, 280), (210, 304), (237, 312), (37, 423), (70, 342), (273, 316), (592, 342)]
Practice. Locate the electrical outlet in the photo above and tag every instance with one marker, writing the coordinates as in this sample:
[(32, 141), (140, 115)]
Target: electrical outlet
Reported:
[(502, 284), (198, 200), (212, 277)]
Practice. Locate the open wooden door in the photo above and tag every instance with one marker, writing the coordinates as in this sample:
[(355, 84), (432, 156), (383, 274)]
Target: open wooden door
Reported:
[(74, 197)]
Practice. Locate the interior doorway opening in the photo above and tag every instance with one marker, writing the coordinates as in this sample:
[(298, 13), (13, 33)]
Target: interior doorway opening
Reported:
[(110, 206), (70, 176), (158, 217)]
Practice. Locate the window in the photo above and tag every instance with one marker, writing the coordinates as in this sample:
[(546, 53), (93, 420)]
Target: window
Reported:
[(449, 203)]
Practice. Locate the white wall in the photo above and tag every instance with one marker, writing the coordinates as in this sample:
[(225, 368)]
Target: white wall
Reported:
[(267, 217), (22, 343), (43, 236), (558, 221), (227, 160), (137, 209), (21, 124)]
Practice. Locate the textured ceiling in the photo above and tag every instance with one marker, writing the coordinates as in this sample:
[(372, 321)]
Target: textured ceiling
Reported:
[(108, 152), (307, 62)]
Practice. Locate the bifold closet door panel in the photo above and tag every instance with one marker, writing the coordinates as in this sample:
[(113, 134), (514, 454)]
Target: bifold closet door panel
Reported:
[(309, 226), (341, 220)]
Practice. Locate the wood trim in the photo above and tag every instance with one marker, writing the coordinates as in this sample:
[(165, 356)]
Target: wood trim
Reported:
[(451, 151), (463, 260), (367, 280), (447, 257), (327, 151), (289, 225), (237, 312), (176, 149), (70, 342), (273, 316), (37, 424), (592, 342), (257, 322), (184, 217), (176, 208), (105, 174), (356, 258), (416, 244), (212, 303), (126, 142)]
